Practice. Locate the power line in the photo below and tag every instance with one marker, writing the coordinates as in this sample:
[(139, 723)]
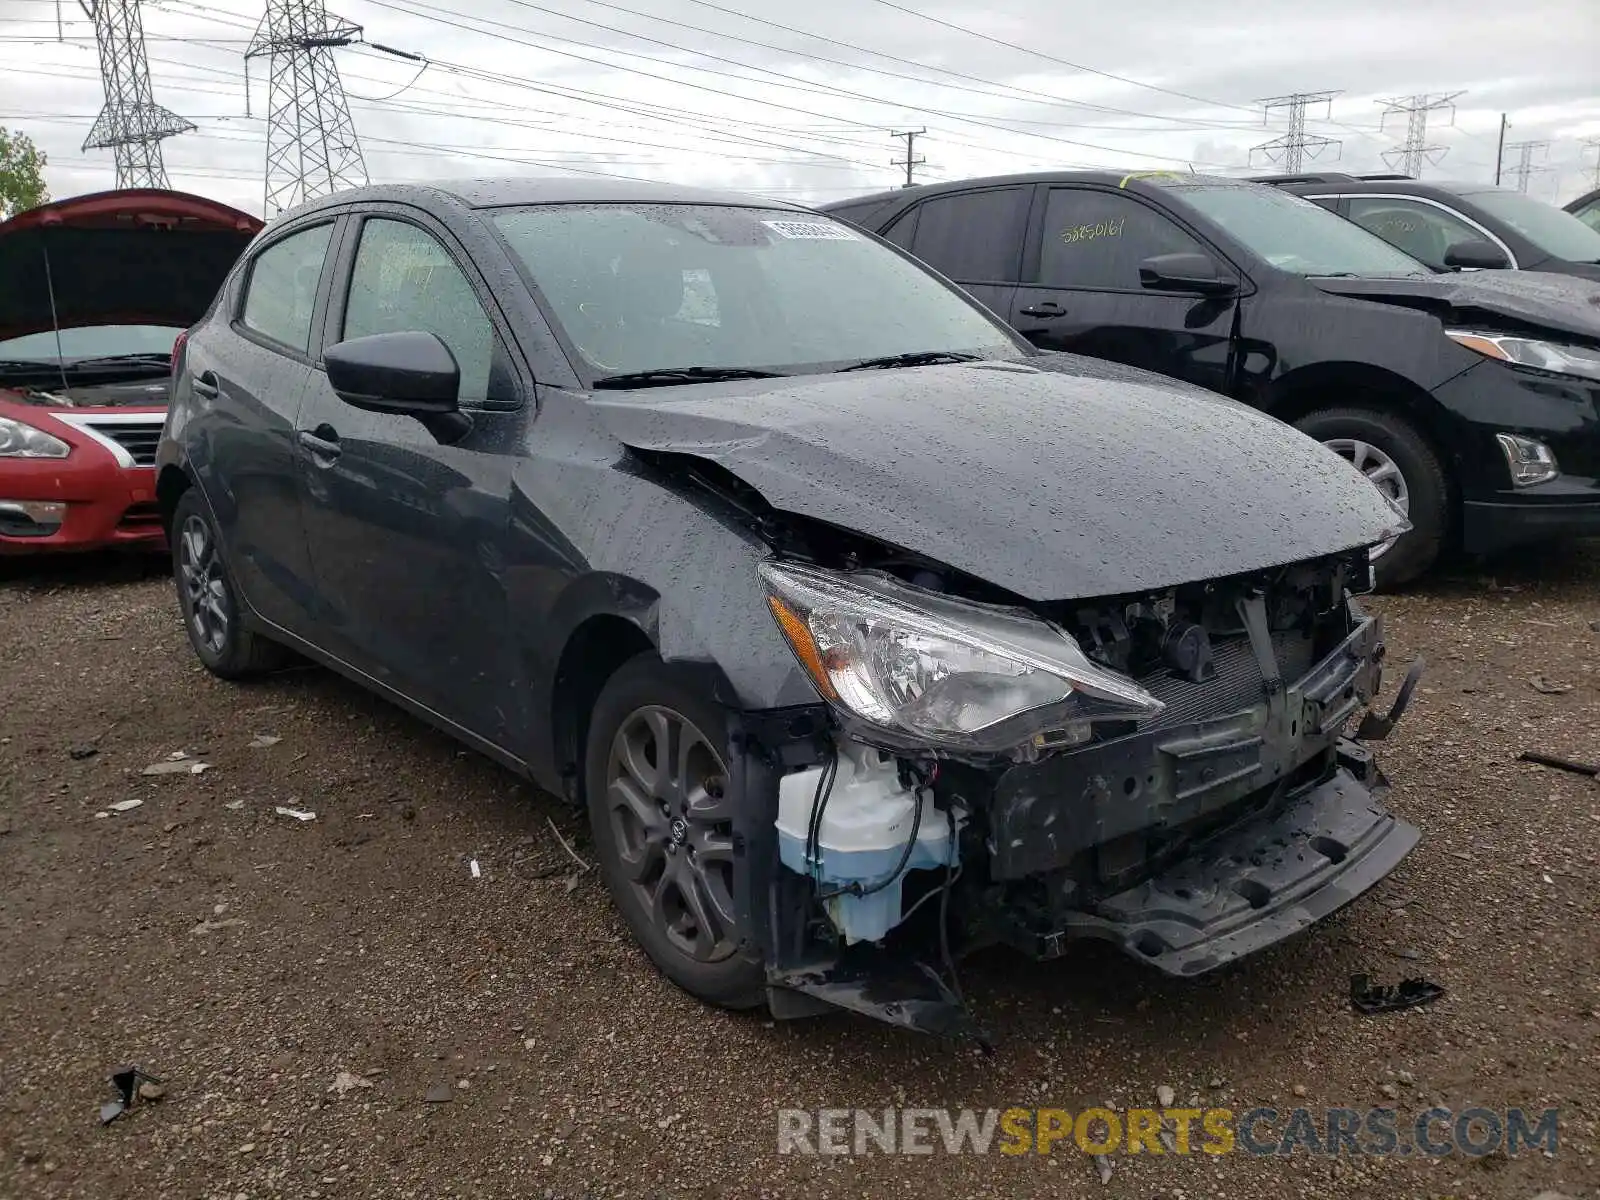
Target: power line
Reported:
[(1415, 149), (911, 12), (1291, 148), (431, 11), (131, 125)]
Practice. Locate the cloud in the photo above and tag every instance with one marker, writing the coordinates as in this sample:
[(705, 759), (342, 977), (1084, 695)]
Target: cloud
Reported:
[(647, 88)]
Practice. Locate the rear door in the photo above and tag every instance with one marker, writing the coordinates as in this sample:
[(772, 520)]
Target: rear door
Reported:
[(971, 238), (247, 372), (407, 533), (1081, 290)]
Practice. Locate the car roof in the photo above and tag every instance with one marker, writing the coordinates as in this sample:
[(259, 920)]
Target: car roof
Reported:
[(1122, 179), (519, 190)]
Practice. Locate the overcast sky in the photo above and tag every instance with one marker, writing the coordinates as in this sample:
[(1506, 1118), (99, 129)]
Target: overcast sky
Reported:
[(800, 100)]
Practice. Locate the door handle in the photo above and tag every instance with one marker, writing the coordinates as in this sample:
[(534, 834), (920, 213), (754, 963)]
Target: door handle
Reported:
[(323, 450), (1045, 308), (205, 384)]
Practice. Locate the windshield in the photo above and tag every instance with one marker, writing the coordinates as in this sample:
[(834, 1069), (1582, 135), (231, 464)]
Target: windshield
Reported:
[(98, 341), (651, 287), (1296, 235), (1555, 231)]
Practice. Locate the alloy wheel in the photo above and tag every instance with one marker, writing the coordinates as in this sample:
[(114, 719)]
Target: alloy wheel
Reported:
[(672, 822), (1383, 472), (205, 592)]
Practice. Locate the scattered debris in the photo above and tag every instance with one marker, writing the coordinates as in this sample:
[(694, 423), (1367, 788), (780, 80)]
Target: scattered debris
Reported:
[(1102, 1163), (1391, 1090), (567, 846), (572, 882), (79, 753), (1299, 1089), (299, 814), (152, 1091), (1541, 684), (235, 805), (1561, 764), (472, 866), (130, 1082), (1165, 1096), (262, 740), (1367, 997), (439, 1093), (124, 806), (345, 1082), (176, 767), (210, 926)]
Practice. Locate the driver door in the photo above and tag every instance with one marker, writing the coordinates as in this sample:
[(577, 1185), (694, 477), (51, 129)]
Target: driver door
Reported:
[(406, 534)]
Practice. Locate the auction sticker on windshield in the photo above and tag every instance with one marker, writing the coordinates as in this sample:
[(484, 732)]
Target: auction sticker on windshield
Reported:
[(825, 231)]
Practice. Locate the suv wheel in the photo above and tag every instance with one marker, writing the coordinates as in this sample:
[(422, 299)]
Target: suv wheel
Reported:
[(209, 600), (657, 791), (1390, 451)]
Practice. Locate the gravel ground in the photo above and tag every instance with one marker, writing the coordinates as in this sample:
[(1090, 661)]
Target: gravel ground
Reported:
[(247, 958)]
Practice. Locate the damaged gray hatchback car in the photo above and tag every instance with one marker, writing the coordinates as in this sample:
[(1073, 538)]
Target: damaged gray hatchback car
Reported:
[(867, 634)]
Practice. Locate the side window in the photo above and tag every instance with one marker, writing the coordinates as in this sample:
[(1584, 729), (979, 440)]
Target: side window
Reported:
[(1096, 240), (403, 280), (1421, 230), (973, 237), (1589, 214), (904, 231), (282, 288)]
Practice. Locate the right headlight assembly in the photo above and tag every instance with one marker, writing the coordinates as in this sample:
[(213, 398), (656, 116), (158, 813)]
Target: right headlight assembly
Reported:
[(1554, 357), (926, 670), (18, 439)]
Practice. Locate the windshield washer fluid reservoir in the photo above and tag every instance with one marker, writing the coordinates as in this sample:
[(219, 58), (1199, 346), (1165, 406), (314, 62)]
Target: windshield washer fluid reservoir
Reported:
[(866, 823)]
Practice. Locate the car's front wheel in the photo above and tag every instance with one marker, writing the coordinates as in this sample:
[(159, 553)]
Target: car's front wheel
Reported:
[(660, 806), (1395, 456), (209, 599)]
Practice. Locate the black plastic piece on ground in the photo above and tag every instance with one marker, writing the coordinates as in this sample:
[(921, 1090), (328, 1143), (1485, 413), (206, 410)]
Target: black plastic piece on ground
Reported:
[(1374, 728), (902, 993), (127, 1082), (1366, 997)]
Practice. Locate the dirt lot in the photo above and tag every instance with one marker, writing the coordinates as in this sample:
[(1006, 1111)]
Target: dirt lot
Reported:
[(247, 957)]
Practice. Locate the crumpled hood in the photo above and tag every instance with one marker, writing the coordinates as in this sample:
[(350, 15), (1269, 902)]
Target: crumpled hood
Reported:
[(1562, 303), (140, 256), (1069, 479)]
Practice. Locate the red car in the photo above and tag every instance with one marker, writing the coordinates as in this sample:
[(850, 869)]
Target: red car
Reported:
[(97, 291)]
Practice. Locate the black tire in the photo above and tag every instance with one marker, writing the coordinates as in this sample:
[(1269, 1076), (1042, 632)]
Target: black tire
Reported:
[(1426, 486), (723, 974), (218, 634)]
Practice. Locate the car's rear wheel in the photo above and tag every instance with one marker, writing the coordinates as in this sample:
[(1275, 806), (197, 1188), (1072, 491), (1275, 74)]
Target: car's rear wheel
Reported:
[(209, 599), (657, 789), (1395, 456)]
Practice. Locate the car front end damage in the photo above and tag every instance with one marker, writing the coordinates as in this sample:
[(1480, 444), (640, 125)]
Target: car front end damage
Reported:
[(1182, 774)]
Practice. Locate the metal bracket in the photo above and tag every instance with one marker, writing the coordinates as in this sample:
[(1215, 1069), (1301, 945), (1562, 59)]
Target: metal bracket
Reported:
[(1375, 728)]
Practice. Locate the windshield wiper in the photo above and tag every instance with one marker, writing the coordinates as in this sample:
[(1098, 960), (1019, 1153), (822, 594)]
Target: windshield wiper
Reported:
[(920, 358), (667, 376), (164, 361)]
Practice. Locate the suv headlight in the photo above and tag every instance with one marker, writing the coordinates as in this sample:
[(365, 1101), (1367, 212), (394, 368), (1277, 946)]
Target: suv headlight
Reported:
[(1526, 352), (20, 440), (929, 670)]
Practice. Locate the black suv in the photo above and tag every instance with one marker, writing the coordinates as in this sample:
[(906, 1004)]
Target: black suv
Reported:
[(1451, 226), (1471, 399)]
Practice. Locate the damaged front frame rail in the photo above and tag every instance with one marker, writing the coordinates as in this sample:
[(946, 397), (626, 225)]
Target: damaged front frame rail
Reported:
[(1310, 845)]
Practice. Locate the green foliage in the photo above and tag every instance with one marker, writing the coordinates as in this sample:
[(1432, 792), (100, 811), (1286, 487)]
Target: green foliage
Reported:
[(21, 174)]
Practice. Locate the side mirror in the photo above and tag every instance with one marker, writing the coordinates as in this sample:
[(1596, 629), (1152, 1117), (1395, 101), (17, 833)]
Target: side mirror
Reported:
[(410, 374), (1189, 271), (1476, 254)]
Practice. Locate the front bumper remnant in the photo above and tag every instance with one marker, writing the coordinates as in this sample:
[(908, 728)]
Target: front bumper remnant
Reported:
[(1256, 884)]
